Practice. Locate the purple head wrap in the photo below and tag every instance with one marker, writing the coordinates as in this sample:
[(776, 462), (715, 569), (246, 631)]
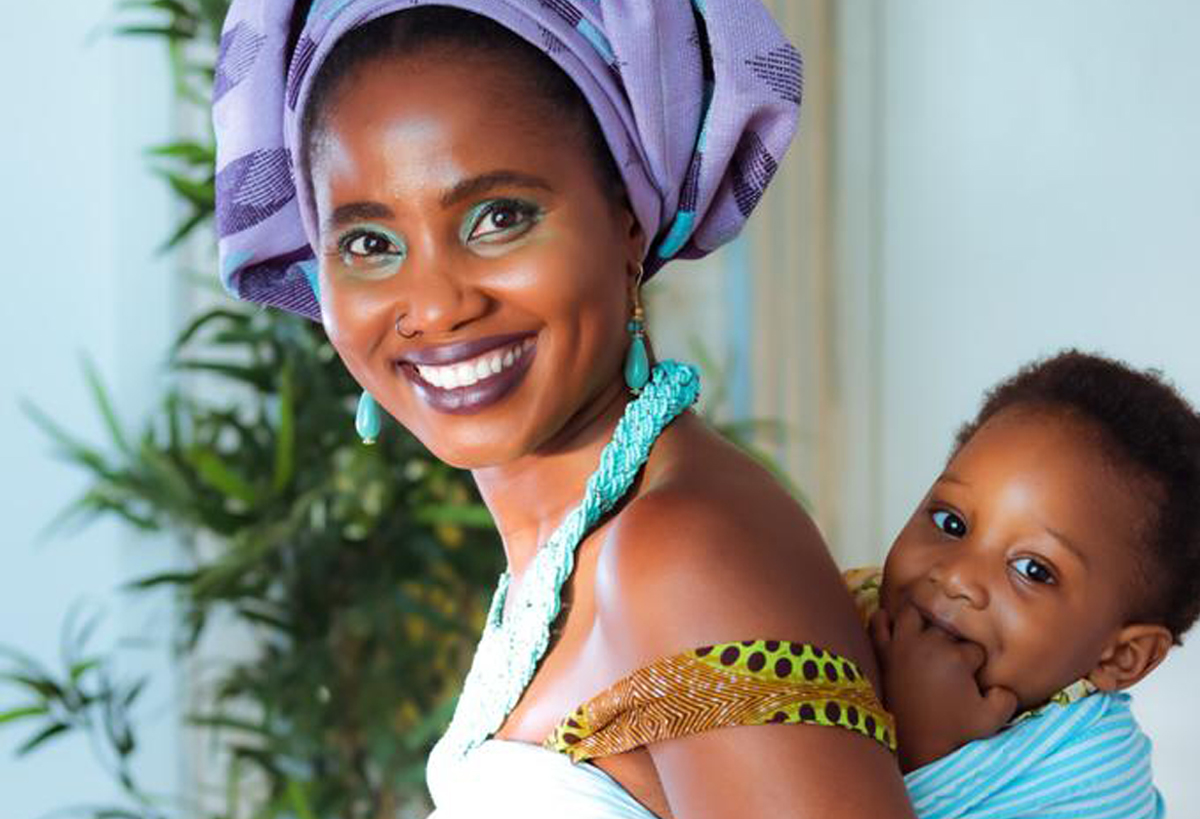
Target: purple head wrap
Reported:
[(696, 144)]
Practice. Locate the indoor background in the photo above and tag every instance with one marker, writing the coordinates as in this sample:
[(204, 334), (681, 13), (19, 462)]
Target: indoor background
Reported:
[(976, 185)]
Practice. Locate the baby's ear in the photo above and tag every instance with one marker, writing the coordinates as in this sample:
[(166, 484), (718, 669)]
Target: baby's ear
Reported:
[(1134, 652)]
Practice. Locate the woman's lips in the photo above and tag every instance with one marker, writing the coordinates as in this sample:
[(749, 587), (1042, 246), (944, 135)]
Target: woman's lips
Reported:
[(459, 385), (461, 351)]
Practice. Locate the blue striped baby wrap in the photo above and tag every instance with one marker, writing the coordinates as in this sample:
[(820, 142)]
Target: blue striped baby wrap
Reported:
[(1087, 759)]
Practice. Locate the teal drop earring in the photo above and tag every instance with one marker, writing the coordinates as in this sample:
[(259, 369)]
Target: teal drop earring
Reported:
[(637, 361), (366, 420)]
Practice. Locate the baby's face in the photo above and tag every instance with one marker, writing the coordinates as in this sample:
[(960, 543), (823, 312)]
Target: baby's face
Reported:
[(1025, 546)]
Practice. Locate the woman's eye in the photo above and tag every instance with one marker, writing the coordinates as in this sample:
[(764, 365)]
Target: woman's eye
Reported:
[(366, 246), (1032, 569), (502, 219), (949, 523)]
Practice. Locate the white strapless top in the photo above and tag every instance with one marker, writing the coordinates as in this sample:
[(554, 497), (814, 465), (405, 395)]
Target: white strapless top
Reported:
[(505, 779)]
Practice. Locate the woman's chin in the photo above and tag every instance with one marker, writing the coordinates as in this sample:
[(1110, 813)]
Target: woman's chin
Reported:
[(473, 455)]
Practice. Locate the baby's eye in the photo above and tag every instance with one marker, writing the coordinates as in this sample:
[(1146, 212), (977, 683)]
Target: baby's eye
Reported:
[(1034, 570), (501, 220), (949, 523)]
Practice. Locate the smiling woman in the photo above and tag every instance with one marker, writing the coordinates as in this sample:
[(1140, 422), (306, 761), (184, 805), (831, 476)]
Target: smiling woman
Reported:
[(445, 180), (468, 196)]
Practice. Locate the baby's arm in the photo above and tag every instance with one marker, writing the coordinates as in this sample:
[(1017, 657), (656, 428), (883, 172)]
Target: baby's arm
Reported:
[(930, 688)]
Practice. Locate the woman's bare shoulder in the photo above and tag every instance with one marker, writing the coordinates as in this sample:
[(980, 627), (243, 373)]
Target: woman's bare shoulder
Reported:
[(715, 550)]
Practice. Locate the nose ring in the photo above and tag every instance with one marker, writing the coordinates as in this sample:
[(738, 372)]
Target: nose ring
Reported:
[(400, 331)]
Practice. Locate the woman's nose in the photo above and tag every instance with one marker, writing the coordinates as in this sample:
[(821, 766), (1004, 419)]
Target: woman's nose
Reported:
[(960, 574), (436, 299)]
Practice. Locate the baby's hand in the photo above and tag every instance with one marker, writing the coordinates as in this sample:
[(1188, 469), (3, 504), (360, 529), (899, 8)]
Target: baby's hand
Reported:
[(930, 688)]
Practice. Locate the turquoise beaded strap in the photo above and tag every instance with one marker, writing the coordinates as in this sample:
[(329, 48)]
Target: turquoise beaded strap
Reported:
[(511, 647)]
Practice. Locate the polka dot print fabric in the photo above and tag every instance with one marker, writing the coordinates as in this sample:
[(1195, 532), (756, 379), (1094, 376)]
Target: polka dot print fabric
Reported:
[(752, 682)]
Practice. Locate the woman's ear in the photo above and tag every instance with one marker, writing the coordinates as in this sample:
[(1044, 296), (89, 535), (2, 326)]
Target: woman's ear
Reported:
[(635, 237), (1134, 652)]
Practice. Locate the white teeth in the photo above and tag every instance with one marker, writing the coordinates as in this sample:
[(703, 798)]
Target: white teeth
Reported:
[(454, 376)]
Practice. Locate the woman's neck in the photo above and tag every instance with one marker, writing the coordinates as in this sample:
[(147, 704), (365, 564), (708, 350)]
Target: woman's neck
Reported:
[(530, 496)]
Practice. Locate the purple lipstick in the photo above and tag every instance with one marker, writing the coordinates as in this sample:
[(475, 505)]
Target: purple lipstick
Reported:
[(469, 376)]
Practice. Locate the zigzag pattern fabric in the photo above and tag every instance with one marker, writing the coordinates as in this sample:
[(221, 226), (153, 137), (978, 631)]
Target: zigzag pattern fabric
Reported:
[(697, 100), (752, 682)]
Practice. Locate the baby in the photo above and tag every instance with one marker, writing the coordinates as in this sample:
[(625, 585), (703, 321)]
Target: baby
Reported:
[(1052, 564)]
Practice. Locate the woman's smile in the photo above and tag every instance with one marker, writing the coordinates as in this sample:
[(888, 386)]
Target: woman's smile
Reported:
[(475, 274), (469, 376)]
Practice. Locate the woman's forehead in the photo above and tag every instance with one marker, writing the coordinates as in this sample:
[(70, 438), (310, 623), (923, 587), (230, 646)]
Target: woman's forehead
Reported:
[(427, 109)]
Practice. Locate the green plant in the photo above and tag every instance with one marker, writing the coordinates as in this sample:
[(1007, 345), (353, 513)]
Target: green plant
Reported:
[(363, 570)]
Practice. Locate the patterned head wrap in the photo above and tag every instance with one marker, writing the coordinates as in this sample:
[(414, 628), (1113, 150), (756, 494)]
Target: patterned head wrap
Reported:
[(697, 101)]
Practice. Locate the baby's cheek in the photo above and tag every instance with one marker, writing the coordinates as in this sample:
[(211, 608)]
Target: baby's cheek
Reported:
[(1034, 671)]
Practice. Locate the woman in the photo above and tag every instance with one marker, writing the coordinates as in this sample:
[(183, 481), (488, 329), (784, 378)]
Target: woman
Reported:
[(469, 195)]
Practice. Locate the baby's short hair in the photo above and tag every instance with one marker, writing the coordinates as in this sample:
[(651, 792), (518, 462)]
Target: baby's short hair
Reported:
[(1150, 431)]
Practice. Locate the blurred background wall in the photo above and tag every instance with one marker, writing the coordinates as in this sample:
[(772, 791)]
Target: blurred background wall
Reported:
[(976, 184), (1003, 180), (80, 219)]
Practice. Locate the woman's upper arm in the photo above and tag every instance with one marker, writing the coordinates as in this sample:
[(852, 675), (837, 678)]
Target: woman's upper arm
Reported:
[(679, 573), (792, 771)]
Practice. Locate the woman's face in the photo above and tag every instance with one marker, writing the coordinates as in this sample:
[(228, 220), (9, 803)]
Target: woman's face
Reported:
[(455, 203)]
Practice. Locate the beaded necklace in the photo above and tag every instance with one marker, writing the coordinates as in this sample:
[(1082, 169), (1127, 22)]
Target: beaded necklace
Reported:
[(512, 646)]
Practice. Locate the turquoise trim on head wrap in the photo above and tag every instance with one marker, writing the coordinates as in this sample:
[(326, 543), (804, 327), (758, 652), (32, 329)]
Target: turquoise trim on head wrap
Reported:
[(597, 39), (312, 272), (676, 238)]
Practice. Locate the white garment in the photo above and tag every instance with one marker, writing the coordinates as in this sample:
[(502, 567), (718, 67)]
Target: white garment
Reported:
[(502, 779)]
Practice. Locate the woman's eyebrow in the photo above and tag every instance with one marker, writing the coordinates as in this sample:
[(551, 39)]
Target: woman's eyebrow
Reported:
[(357, 211), (476, 185)]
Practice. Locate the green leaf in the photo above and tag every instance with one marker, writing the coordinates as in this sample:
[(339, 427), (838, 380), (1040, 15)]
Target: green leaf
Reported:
[(117, 813), (226, 722), (43, 686), (215, 472), (42, 736), (185, 229), (100, 396), (192, 152), (69, 446), (201, 193), (298, 798), (285, 435), (170, 6), (254, 376), (474, 515), (171, 32), (80, 668), (21, 713), (163, 579), (204, 319)]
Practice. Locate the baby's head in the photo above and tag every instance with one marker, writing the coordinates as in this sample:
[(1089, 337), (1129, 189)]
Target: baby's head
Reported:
[(1063, 535)]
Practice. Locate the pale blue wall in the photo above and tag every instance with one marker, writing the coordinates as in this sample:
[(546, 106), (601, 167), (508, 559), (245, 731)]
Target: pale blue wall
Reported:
[(79, 221), (1040, 188)]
